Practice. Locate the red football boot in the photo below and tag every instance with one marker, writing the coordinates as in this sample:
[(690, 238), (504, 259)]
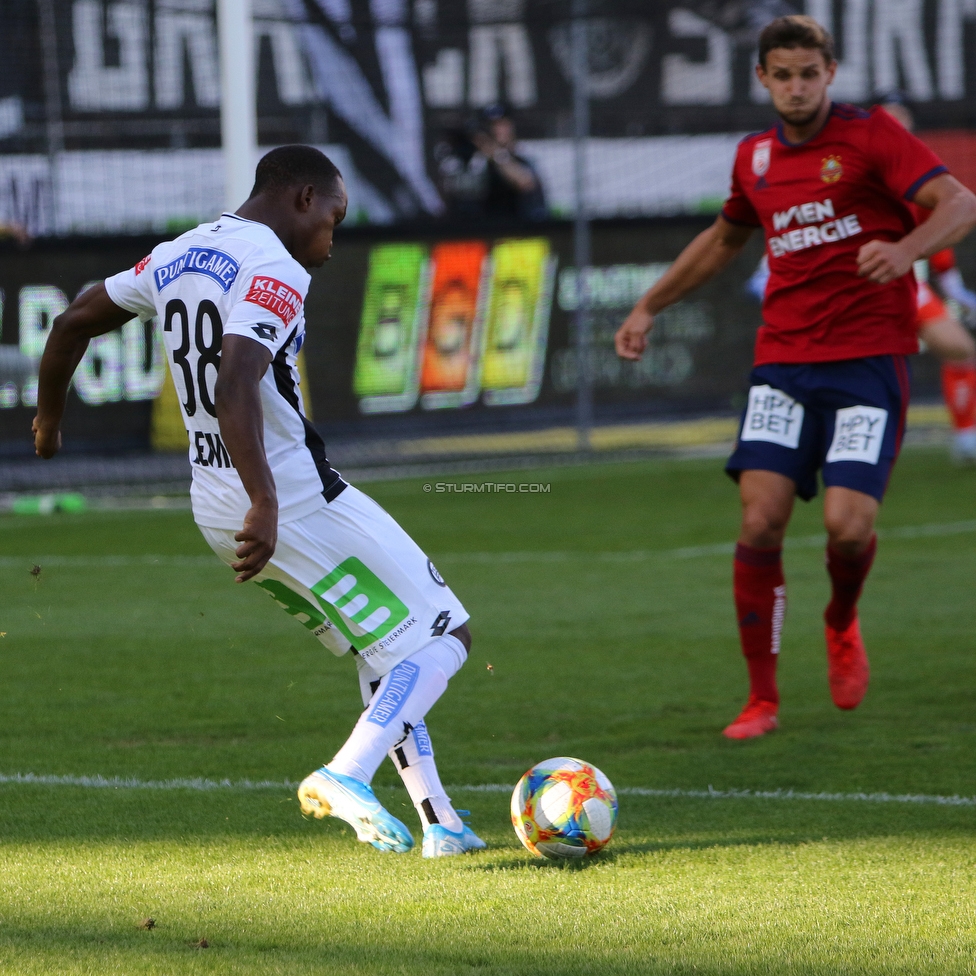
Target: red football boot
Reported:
[(847, 665), (757, 718)]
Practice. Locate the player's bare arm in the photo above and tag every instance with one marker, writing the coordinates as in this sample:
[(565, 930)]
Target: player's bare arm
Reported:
[(953, 217), (703, 258), (91, 314), (238, 401)]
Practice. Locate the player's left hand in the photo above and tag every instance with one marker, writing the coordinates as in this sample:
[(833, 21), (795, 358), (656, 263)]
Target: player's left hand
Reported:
[(883, 261), (47, 440), (257, 539)]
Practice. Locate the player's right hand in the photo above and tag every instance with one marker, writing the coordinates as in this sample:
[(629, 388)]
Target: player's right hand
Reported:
[(257, 539), (47, 440), (883, 261), (631, 338)]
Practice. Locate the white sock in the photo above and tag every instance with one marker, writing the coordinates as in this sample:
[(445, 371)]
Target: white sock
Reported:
[(414, 760), (404, 696)]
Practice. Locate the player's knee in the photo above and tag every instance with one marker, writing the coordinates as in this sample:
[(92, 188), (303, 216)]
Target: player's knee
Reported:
[(763, 527), (849, 532), (851, 538), (464, 636)]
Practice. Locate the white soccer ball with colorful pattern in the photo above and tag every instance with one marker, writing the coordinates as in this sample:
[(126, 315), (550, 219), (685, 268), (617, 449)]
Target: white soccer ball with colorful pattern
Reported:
[(564, 808)]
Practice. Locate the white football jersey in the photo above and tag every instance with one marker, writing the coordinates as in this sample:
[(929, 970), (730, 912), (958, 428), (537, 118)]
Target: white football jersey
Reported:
[(233, 277)]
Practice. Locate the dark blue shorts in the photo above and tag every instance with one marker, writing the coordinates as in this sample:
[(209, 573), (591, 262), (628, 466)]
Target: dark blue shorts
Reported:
[(845, 418)]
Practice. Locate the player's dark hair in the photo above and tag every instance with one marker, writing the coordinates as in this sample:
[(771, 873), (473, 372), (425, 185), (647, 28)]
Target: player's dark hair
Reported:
[(289, 166), (793, 32)]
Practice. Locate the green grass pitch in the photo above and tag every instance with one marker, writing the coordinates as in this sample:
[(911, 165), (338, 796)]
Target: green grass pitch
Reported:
[(603, 608)]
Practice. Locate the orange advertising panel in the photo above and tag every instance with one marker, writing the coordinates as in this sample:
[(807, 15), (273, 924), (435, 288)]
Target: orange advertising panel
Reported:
[(449, 374)]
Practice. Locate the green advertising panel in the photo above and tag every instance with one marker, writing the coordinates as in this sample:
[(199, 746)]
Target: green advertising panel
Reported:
[(394, 313)]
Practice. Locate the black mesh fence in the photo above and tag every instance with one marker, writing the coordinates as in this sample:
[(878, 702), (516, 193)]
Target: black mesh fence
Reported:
[(453, 302), (109, 109)]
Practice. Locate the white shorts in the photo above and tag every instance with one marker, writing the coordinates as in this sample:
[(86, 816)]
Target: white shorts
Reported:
[(352, 576)]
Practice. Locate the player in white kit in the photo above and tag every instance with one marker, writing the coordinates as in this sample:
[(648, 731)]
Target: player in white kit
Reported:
[(230, 297)]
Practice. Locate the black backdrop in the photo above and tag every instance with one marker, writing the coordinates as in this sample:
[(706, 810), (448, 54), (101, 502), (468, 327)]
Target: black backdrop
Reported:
[(698, 363)]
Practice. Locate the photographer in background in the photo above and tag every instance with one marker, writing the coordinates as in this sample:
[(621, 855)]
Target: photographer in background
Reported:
[(483, 177)]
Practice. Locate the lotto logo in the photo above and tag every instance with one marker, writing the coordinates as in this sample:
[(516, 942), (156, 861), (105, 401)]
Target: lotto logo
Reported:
[(772, 416), (858, 435), (275, 296)]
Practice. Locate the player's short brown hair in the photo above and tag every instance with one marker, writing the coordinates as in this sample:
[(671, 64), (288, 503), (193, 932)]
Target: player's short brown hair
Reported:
[(795, 31)]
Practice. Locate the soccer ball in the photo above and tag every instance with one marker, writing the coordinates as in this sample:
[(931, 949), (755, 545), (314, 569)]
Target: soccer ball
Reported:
[(564, 808)]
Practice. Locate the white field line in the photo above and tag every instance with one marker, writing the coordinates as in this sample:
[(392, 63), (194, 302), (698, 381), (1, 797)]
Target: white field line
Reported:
[(245, 785), (930, 531)]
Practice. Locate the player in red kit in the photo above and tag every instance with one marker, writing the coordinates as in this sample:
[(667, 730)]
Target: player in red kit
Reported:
[(941, 332), (831, 187)]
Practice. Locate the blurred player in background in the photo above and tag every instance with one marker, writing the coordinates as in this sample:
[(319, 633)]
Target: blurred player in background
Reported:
[(230, 295), (939, 329), (831, 186)]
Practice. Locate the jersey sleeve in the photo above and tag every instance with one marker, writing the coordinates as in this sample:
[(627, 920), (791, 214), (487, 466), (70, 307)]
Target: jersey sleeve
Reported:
[(271, 304), (132, 289), (905, 163), (737, 208)]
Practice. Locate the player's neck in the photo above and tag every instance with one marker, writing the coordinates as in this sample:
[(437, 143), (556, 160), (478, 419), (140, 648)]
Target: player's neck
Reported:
[(268, 213), (801, 133)]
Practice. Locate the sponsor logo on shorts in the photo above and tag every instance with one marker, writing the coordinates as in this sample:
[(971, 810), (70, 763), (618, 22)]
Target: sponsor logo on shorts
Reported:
[(772, 416), (439, 626), (401, 682), (858, 435), (434, 575), (360, 604), (207, 261), (275, 296), (381, 645)]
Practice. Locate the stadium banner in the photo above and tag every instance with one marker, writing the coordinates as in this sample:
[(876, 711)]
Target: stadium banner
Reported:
[(416, 333), (111, 398), (125, 138)]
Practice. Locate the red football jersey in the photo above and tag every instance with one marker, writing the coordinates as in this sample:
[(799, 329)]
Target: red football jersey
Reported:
[(818, 202)]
